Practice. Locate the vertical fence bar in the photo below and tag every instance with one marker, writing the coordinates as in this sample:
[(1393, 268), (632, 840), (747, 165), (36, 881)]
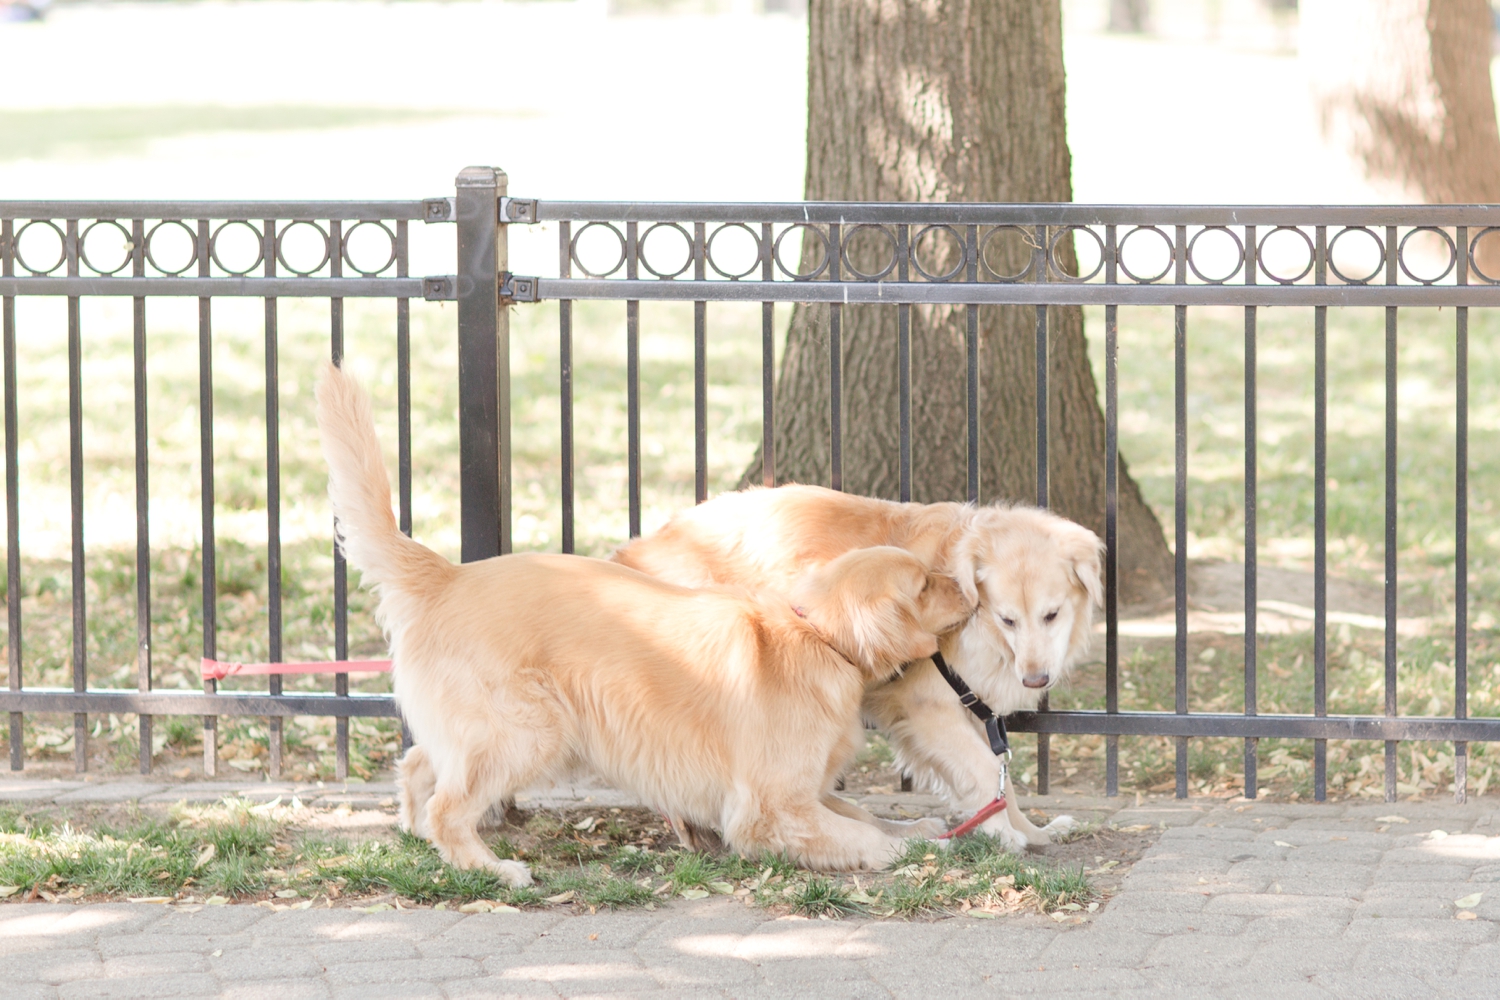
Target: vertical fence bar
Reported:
[(482, 507), (144, 679), (1461, 523), (1252, 576), (1252, 573), (1043, 390), (340, 566), (835, 365), (700, 370), (1390, 513), (633, 379), (403, 382), (1180, 504), (565, 380), (767, 363), (1041, 256), (276, 737), (971, 383), (903, 365), (403, 406), (206, 482), (1111, 513), (1320, 516), (12, 498), (75, 469)]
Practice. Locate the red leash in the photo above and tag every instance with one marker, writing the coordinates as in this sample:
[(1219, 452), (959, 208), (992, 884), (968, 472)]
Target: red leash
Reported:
[(971, 824)]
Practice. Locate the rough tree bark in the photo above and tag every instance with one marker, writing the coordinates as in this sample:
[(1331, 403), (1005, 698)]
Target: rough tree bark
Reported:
[(1403, 86), (948, 100)]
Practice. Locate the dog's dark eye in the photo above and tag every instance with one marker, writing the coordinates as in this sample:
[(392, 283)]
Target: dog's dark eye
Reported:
[(1050, 617), (1007, 622)]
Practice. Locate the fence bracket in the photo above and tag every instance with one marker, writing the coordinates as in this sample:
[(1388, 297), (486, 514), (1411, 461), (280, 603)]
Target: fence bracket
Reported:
[(440, 288), (517, 288), (520, 210), (439, 210)]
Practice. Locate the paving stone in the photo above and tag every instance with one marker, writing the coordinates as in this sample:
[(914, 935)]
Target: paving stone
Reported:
[(211, 920), (401, 971), (192, 985), (275, 989), (618, 930), (235, 965), (411, 925), (50, 966), (1048, 980), (497, 988), (685, 972), (115, 791), (340, 952), (1172, 923), (1382, 874), (1434, 958), (1281, 904), (571, 972), (157, 943), (1296, 926), (158, 964), (1417, 929), (393, 991), (30, 991), (1368, 986), (1098, 948), (24, 790), (1132, 900)]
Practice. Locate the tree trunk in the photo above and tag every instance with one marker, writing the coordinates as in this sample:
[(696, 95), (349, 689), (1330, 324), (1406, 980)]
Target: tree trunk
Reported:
[(948, 100), (1403, 86)]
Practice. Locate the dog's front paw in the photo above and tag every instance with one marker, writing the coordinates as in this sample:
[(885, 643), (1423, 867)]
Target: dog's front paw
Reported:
[(513, 873), (1060, 827), (1010, 838)]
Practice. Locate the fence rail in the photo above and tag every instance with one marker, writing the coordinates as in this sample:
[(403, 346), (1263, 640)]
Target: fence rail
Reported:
[(975, 256)]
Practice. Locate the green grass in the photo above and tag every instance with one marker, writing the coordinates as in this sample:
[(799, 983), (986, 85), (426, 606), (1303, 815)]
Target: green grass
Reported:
[(236, 851)]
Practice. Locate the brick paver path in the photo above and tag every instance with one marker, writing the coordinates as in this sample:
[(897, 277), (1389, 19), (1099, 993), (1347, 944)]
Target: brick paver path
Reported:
[(1247, 900)]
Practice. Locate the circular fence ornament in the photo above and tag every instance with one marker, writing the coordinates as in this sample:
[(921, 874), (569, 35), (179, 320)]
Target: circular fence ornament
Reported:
[(578, 260), (230, 231), (1238, 246), (1447, 269), (799, 275), (755, 260), (1260, 255), (870, 227), (670, 227), (109, 225), (958, 241), (296, 234), (368, 242), (1379, 255), (1143, 279), (166, 230), (1057, 271), (1027, 240), (47, 225)]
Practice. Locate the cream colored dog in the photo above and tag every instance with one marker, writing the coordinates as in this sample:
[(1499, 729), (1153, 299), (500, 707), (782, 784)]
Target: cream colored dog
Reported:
[(722, 709), (1034, 576)]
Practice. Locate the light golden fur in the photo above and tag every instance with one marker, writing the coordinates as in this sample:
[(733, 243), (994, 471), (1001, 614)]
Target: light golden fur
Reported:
[(1034, 576), (723, 709)]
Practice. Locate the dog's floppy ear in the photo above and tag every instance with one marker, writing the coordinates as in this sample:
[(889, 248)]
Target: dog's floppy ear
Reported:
[(1085, 554), (965, 573)]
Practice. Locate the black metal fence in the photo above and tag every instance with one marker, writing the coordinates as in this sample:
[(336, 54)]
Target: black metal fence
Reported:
[(1248, 257)]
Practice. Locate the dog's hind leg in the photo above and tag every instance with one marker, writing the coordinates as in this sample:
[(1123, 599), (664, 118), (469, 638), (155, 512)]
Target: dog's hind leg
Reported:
[(465, 788), (415, 781), (1037, 836), (813, 835)]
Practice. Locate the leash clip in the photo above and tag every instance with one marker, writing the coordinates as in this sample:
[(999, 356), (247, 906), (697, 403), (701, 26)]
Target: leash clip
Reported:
[(1004, 773)]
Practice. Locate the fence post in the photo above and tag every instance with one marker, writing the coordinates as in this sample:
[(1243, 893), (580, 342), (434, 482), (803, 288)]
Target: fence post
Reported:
[(483, 366)]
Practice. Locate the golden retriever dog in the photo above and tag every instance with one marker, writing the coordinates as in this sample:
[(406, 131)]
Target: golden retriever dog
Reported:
[(1034, 577), (723, 709)]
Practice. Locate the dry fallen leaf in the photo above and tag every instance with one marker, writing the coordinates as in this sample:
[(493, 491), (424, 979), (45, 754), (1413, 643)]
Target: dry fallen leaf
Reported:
[(1468, 902)]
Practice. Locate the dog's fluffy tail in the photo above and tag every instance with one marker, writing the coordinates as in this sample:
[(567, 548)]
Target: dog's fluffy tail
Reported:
[(360, 490)]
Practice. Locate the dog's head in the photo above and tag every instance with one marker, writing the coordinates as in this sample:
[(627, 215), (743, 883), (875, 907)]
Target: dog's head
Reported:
[(1034, 579), (880, 607)]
